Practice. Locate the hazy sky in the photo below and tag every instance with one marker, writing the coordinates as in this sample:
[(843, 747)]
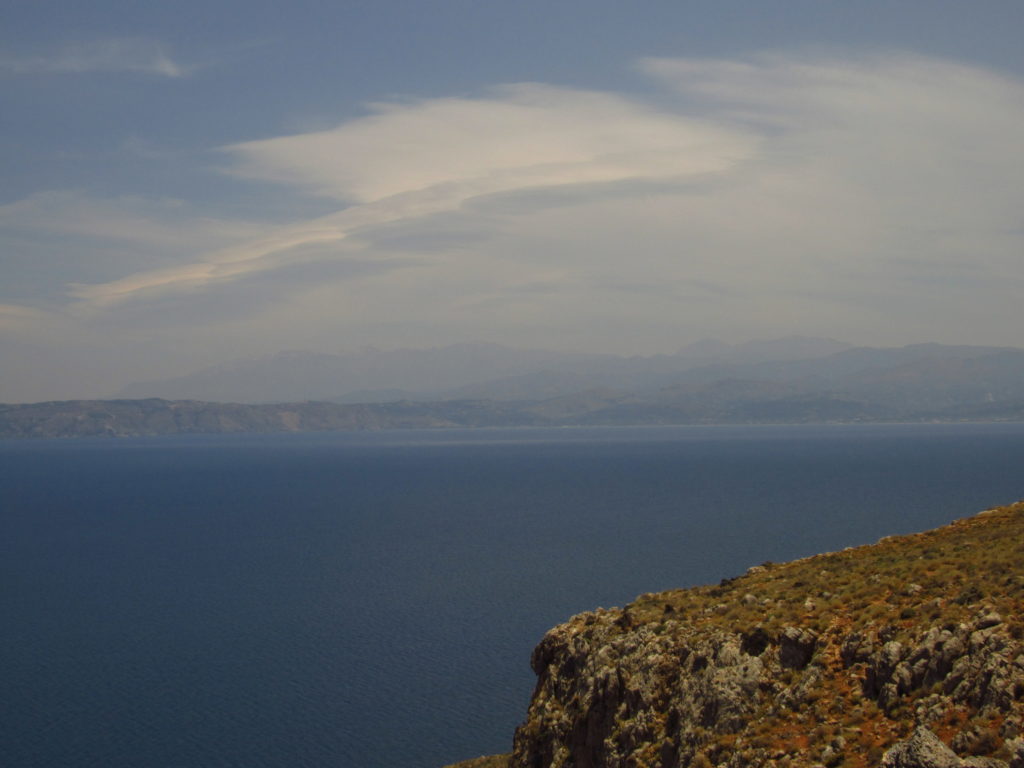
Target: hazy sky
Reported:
[(196, 181)]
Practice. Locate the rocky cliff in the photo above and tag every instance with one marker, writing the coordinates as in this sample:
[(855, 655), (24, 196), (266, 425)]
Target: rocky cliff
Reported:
[(830, 661)]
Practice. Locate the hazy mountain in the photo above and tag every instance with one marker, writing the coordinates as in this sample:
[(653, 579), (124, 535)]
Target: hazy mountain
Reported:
[(296, 376), (917, 383), (858, 372), (834, 370), (762, 350), (568, 376), (709, 382), (485, 371)]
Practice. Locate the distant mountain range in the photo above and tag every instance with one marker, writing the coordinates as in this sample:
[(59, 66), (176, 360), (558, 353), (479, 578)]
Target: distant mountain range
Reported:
[(799, 380), (478, 371)]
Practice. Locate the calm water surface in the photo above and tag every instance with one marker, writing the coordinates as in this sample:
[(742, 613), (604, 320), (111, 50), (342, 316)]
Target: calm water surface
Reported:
[(372, 599)]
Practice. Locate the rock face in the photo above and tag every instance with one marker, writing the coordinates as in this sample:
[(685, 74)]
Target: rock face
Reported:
[(922, 750), (827, 661)]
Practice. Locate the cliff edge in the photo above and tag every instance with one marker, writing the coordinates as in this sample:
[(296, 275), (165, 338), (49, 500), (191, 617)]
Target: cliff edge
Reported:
[(906, 653)]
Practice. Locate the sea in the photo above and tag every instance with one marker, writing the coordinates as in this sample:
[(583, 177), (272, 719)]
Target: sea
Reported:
[(371, 599)]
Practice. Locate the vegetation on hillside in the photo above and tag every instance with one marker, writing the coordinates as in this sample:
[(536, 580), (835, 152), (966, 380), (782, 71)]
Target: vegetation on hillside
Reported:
[(829, 660)]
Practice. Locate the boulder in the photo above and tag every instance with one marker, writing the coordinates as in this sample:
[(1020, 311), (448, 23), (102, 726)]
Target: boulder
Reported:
[(922, 750)]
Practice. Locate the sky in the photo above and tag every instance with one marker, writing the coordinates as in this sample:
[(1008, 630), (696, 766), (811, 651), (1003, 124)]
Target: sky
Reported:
[(188, 183)]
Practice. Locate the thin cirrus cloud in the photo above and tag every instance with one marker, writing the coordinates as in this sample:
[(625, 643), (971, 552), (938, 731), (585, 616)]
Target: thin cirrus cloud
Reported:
[(126, 54), (132, 219), (72, 237), (409, 161), (833, 193)]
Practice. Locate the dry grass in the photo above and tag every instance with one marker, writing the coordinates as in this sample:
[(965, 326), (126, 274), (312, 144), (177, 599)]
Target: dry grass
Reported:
[(896, 589), (899, 584)]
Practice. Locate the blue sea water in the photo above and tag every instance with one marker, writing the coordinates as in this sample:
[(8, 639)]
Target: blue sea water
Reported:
[(372, 599)]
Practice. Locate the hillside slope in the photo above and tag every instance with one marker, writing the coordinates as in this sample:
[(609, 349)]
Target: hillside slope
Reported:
[(829, 660)]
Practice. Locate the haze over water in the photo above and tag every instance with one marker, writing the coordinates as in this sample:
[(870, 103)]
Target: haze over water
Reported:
[(372, 599)]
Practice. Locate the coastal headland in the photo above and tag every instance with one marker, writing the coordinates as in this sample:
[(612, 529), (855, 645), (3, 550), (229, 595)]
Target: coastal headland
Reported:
[(907, 653)]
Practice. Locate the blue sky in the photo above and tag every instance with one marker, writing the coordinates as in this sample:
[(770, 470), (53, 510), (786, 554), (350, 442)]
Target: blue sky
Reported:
[(192, 182)]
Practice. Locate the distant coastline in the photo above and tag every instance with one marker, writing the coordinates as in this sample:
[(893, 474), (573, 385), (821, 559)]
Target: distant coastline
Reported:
[(154, 416), (784, 381)]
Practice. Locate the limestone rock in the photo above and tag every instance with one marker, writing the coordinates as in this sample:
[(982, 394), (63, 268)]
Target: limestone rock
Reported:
[(922, 750), (796, 647), (1016, 749)]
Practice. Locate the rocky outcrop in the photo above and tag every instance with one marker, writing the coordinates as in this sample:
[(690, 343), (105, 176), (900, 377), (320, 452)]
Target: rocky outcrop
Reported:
[(925, 750), (828, 661), (922, 750)]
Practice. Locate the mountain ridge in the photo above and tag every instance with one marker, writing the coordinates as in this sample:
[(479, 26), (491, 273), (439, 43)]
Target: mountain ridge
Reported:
[(918, 383), (907, 378), (459, 371)]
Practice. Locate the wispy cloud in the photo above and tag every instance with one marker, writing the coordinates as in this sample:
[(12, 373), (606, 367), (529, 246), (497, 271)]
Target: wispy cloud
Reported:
[(164, 223), (14, 315), (413, 160), (124, 54), (519, 136), (220, 266)]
